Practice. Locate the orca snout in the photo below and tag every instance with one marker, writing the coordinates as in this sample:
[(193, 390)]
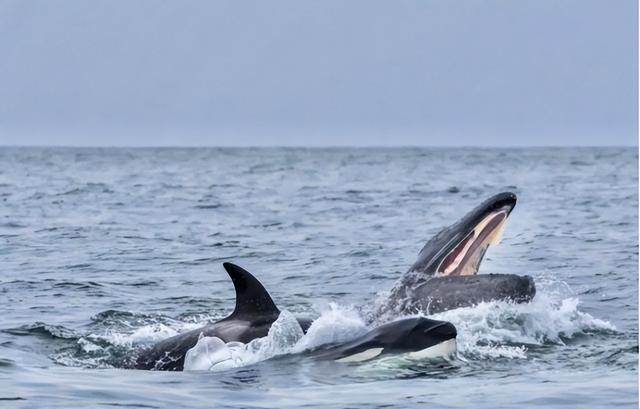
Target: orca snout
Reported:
[(503, 200), (437, 339), (442, 331)]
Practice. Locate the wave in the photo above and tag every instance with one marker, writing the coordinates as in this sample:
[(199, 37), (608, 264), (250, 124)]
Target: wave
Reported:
[(336, 324), (487, 331), (493, 330), (43, 330), (508, 330)]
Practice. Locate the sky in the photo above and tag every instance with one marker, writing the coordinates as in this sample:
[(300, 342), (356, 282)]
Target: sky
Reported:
[(318, 73)]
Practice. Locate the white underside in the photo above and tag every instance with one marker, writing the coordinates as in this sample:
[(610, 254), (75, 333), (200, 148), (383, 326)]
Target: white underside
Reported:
[(442, 349), (472, 264), (362, 356)]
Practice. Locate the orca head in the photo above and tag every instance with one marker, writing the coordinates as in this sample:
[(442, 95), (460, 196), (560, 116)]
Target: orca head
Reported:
[(420, 333), (459, 248), (418, 337), (441, 338)]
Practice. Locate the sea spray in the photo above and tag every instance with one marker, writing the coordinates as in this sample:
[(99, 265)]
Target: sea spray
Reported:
[(211, 353)]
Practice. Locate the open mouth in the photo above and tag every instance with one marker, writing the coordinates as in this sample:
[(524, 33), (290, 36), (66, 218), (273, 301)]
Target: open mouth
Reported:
[(466, 256)]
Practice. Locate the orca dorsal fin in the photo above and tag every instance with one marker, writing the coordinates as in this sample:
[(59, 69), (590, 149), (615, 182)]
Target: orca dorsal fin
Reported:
[(251, 297)]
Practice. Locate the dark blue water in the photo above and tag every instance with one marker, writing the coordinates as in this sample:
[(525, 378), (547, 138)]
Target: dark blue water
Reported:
[(103, 251)]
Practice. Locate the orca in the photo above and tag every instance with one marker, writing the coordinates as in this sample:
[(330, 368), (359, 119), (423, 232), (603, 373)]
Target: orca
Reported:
[(252, 317), (416, 337), (444, 276)]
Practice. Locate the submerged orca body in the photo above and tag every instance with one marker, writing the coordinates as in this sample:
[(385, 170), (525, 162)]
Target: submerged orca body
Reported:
[(252, 317), (445, 275), (440, 294), (418, 337)]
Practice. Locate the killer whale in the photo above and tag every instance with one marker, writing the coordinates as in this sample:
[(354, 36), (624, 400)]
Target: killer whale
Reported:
[(442, 278), (414, 338), (417, 337), (445, 275), (440, 294), (252, 317), (255, 312)]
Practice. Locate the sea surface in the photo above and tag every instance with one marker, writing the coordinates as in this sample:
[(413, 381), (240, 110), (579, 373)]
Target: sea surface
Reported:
[(105, 251)]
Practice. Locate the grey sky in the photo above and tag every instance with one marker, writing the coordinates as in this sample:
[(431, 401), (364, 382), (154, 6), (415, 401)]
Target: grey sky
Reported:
[(445, 72)]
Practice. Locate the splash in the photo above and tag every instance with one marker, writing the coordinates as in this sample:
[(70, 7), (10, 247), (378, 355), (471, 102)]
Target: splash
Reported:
[(112, 347), (336, 324), (507, 330), (213, 354), (493, 330)]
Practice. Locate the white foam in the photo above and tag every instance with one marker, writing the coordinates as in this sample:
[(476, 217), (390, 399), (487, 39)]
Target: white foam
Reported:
[(336, 324), (148, 334), (211, 353), (208, 352), (503, 329), (489, 330)]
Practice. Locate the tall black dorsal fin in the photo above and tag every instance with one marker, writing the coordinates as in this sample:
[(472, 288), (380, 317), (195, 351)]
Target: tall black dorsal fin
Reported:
[(251, 297)]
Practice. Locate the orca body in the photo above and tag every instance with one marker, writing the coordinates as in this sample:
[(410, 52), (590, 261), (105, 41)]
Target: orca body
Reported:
[(252, 317), (438, 294), (418, 337), (445, 276)]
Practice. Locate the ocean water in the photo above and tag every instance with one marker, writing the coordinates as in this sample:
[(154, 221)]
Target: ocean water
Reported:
[(105, 251)]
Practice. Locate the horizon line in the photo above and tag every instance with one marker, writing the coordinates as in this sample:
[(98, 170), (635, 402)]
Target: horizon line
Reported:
[(64, 146)]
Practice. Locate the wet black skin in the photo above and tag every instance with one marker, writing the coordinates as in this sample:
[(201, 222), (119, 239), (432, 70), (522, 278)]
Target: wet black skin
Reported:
[(396, 337), (439, 294), (419, 290), (254, 313), (442, 243)]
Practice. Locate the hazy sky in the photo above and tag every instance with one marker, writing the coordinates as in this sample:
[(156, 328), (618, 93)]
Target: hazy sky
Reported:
[(445, 72)]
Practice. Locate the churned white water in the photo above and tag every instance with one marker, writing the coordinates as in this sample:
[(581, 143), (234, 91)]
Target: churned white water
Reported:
[(489, 330)]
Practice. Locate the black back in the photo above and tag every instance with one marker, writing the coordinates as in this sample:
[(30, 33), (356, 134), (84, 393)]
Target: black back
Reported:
[(252, 317)]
